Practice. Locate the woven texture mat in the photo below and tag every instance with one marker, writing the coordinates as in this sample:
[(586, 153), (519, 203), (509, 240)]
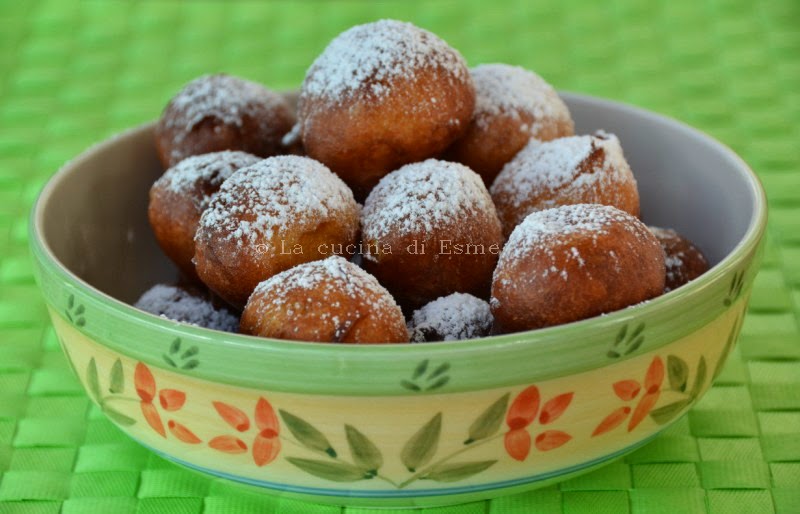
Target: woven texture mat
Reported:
[(74, 73)]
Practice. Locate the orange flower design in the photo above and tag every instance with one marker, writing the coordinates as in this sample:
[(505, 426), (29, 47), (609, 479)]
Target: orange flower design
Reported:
[(170, 399), (629, 390), (522, 414), (266, 444)]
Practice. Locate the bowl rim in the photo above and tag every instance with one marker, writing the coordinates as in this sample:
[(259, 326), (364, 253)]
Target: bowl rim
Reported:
[(548, 339)]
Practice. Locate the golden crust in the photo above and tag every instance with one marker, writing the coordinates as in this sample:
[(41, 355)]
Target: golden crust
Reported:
[(599, 178), (233, 273), (442, 233), (576, 275), (362, 138), (179, 197), (257, 127), (416, 279), (174, 225), (268, 218), (346, 306), (494, 139)]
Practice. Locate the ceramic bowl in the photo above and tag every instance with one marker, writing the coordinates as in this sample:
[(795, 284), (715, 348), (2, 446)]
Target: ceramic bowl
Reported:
[(397, 425)]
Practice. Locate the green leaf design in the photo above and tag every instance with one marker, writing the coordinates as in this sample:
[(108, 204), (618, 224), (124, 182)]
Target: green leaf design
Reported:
[(458, 470), (678, 373), (621, 335), (635, 344), (422, 446), (117, 416), (737, 325), (443, 368), (117, 378), (411, 386), (636, 339), (177, 360), (735, 289), (70, 301), (306, 434), (365, 454), (92, 381), (420, 370), (626, 342), (489, 421), (664, 414), (80, 323), (80, 310), (329, 470), (700, 378), (439, 383), (422, 379)]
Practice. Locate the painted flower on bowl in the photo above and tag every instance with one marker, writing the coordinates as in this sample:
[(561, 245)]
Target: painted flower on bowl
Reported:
[(522, 415), (171, 400), (266, 443), (627, 391)]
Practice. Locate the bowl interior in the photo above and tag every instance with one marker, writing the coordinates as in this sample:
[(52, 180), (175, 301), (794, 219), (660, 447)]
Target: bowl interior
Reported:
[(94, 218)]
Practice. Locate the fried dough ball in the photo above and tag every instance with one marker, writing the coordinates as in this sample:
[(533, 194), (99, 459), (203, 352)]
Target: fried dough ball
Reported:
[(430, 229), (179, 197), (566, 171), (381, 95), (512, 105), (451, 318), (574, 262), (329, 301), (269, 217), (684, 261), (187, 305), (221, 112)]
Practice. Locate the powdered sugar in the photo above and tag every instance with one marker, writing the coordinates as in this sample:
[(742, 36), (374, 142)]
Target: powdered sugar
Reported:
[(550, 165), (271, 197), (327, 279), (422, 196), (451, 318), (542, 230), (511, 90), (292, 137), (683, 260), (179, 305), (543, 168), (201, 173), (367, 58), (223, 97)]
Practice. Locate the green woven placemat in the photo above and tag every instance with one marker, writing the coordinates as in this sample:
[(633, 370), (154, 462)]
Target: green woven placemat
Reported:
[(74, 73)]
